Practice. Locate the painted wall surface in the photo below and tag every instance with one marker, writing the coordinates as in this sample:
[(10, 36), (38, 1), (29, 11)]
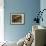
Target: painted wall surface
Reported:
[(29, 7), (43, 6)]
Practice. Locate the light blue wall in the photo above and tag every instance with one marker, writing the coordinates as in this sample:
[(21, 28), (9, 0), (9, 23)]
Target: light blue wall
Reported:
[(43, 6), (15, 32)]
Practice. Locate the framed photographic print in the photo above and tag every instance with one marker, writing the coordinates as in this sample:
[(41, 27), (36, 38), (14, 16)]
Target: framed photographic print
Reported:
[(17, 18)]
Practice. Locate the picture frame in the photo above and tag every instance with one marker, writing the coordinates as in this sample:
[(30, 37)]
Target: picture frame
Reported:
[(17, 18)]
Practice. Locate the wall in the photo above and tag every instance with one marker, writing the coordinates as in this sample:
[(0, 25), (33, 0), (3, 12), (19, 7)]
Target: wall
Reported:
[(42, 6), (29, 7)]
